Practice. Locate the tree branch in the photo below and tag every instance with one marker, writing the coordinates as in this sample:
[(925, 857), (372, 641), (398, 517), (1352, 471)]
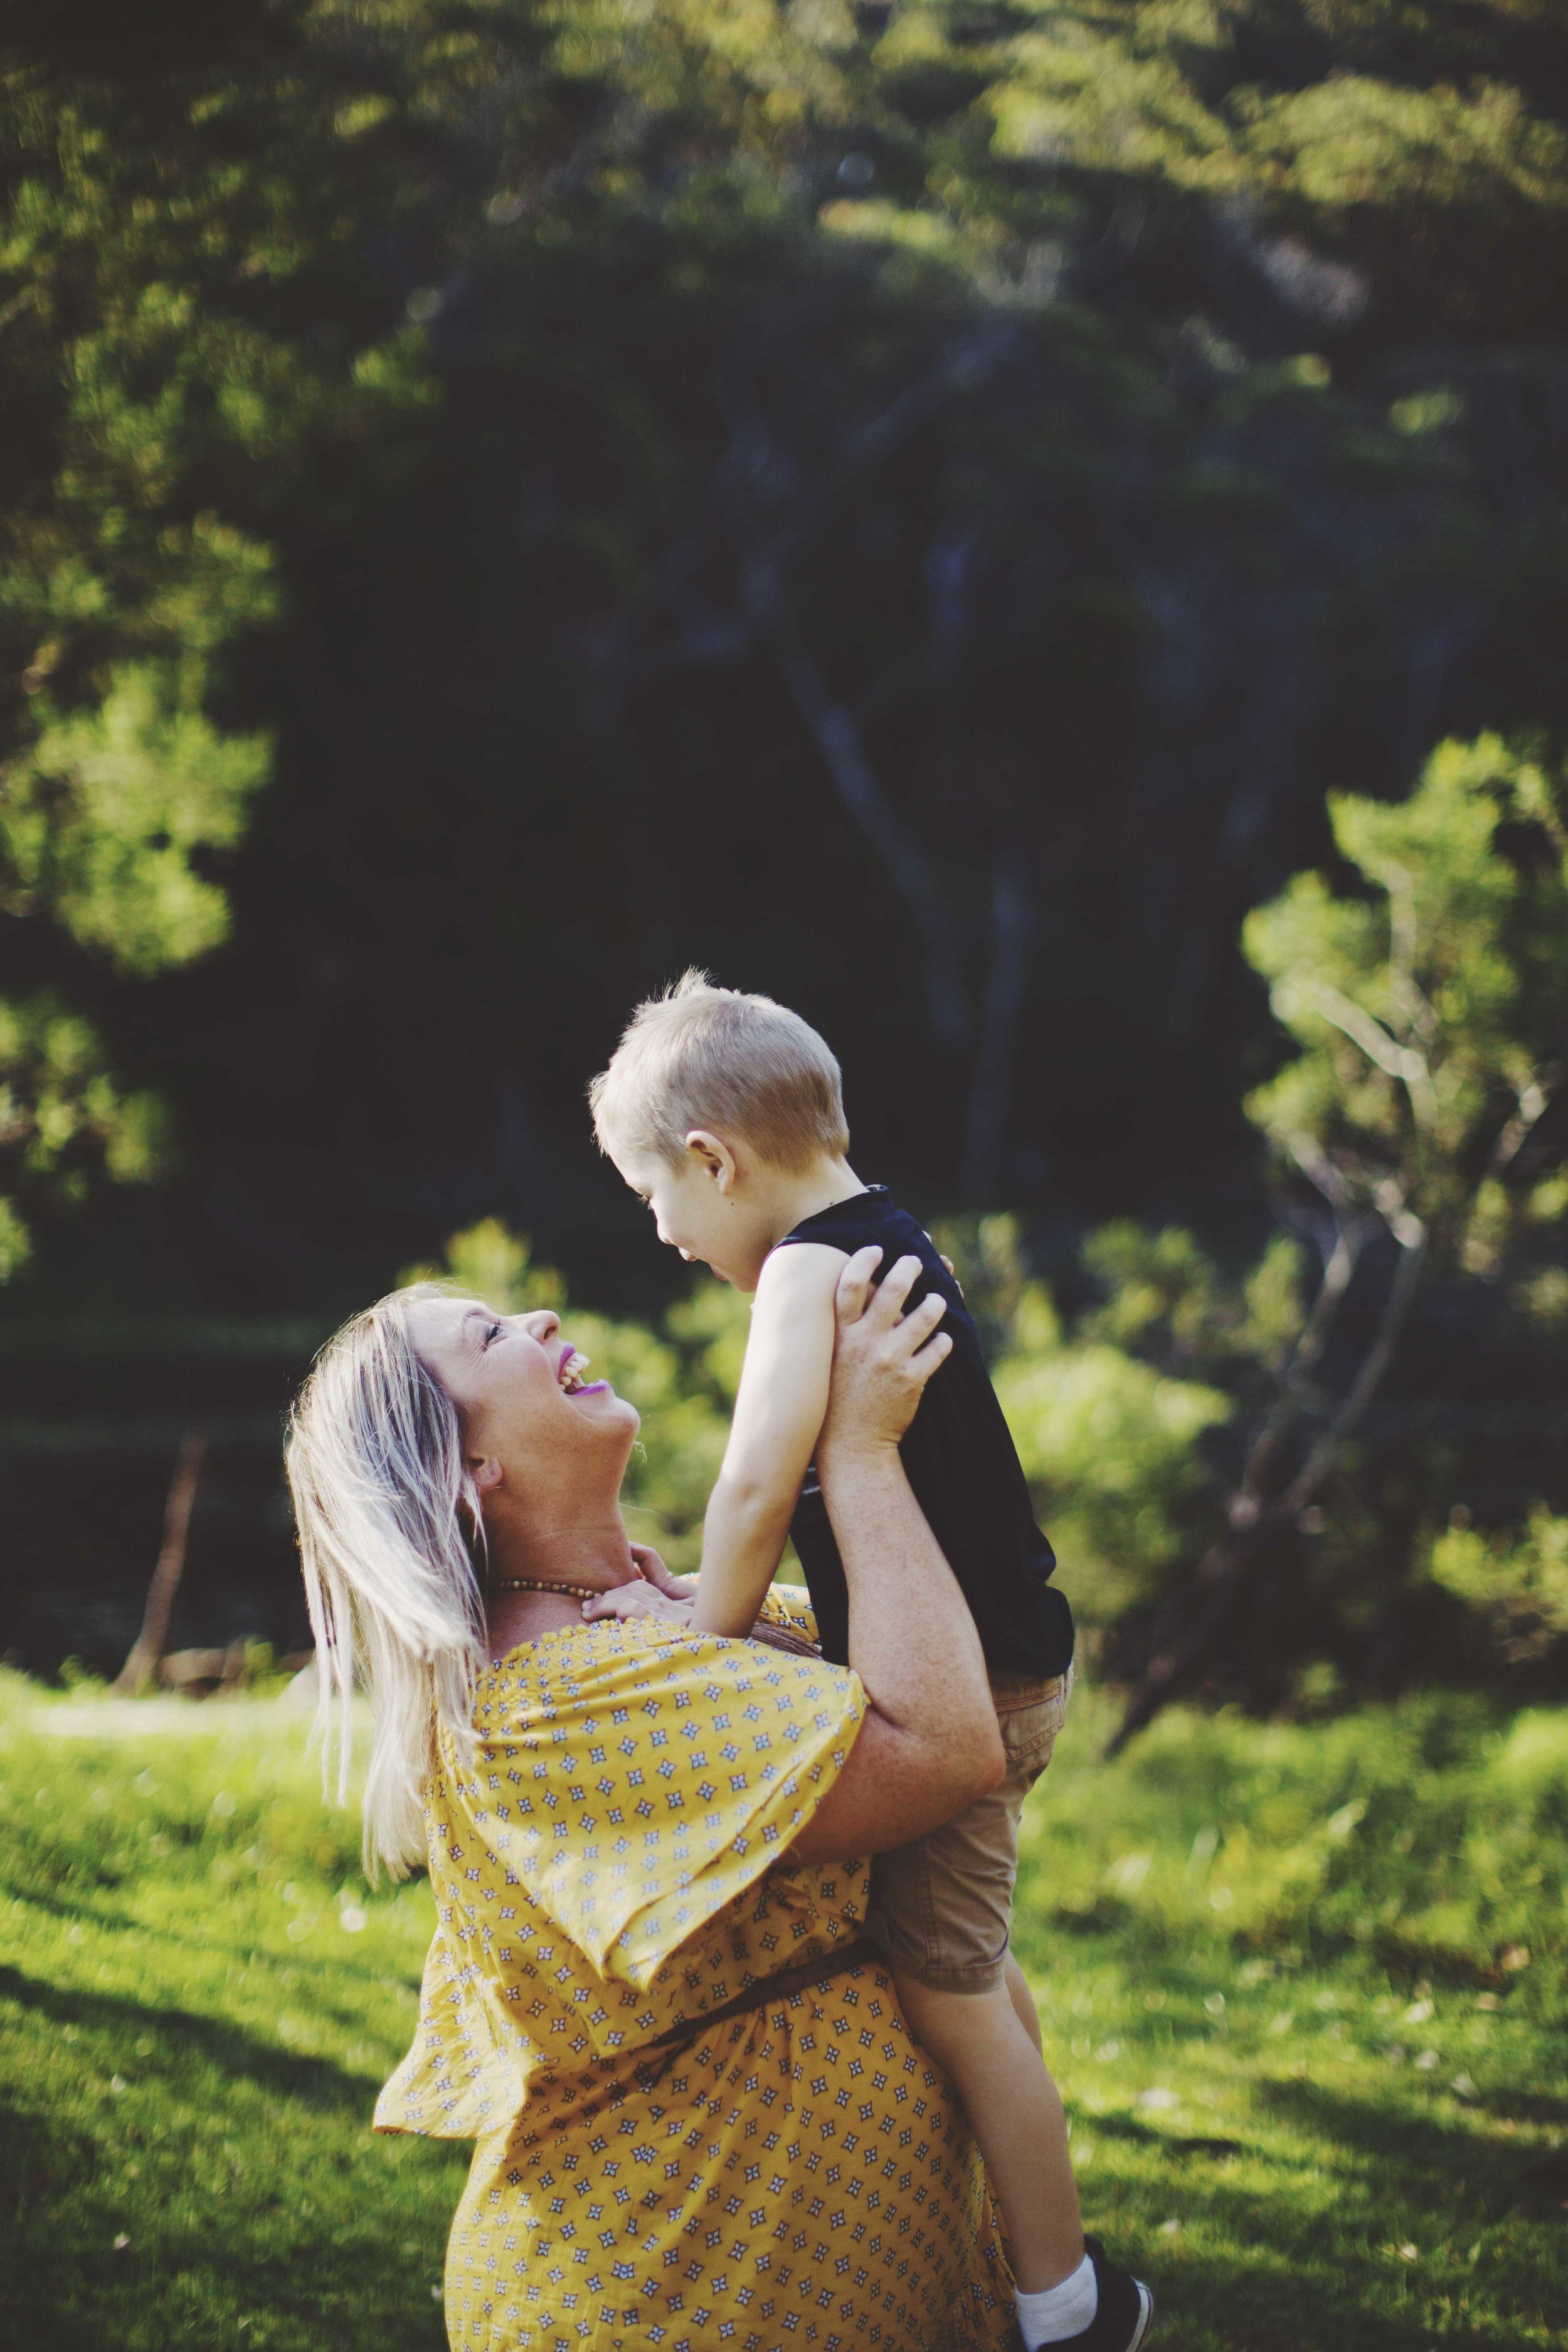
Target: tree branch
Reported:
[(1411, 1234), (1401, 1061), (1535, 1099)]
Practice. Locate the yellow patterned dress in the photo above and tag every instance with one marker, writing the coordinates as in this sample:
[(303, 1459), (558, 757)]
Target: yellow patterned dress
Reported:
[(609, 1865)]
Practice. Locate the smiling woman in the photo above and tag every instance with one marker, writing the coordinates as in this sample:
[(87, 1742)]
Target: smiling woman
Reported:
[(697, 2112)]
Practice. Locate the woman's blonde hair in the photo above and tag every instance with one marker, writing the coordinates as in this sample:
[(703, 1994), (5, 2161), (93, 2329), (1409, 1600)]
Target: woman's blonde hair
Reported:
[(389, 1524)]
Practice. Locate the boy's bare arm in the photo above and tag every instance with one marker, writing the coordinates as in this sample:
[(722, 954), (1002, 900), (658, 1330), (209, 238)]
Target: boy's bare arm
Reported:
[(778, 1416)]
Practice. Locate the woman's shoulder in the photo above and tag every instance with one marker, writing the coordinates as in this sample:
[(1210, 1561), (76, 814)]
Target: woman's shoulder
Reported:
[(563, 1681), (630, 1779)]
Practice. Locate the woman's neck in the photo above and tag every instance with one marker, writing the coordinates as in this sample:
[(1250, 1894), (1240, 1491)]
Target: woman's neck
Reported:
[(592, 1553)]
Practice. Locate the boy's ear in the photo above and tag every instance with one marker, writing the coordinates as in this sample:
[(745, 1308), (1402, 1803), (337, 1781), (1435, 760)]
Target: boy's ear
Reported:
[(713, 1156)]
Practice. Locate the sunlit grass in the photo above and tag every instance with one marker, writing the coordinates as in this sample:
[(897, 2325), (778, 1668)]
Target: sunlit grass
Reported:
[(1304, 1990), (200, 1998), (1303, 1987)]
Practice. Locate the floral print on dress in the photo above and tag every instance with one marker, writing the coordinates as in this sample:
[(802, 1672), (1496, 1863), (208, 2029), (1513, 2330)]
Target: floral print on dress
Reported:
[(608, 1858)]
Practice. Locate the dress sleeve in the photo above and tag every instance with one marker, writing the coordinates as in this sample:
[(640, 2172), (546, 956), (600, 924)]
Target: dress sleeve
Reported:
[(786, 1607), (654, 1776)]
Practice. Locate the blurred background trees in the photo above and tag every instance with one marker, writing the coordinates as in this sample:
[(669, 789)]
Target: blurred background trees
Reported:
[(936, 511)]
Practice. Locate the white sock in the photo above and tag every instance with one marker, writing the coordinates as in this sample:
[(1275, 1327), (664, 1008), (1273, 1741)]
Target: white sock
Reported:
[(1059, 2311)]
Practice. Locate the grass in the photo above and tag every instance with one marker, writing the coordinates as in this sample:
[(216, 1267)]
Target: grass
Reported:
[(1304, 1987)]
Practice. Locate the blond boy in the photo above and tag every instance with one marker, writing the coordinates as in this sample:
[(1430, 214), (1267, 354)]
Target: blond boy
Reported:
[(724, 1113)]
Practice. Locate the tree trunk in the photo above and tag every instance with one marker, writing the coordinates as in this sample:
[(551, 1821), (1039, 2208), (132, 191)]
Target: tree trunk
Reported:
[(141, 1668)]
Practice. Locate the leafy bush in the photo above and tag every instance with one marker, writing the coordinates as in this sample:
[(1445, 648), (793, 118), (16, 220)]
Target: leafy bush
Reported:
[(1518, 1585)]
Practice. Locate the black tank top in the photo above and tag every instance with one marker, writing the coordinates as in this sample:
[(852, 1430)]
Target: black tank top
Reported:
[(959, 1456)]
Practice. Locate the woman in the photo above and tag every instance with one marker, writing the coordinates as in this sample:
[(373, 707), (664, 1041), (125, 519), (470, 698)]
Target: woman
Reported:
[(699, 2118)]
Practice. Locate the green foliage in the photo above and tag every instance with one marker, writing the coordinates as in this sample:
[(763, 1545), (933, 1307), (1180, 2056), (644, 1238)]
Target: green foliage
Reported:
[(1108, 1445), (1517, 1583), (1166, 1296), (185, 347), (59, 1112), (831, 406), (710, 283), (1429, 1002), (1303, 1987), (102, 815), (1113, 1409), (1427, 1009)]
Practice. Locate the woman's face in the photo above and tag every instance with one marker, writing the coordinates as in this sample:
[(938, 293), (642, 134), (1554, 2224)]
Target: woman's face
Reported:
[(523, 1395)]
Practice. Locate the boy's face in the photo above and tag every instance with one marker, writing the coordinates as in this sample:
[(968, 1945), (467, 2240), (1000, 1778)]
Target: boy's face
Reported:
[(699, 1208)]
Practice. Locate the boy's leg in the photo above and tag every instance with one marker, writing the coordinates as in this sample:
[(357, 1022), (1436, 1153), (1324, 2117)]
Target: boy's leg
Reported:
[(941, 1909), (981, 2043), (1023, 2001)]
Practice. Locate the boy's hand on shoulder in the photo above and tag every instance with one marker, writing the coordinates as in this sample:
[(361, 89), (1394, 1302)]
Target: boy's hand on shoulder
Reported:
[(647, 1563), (640, 1600)]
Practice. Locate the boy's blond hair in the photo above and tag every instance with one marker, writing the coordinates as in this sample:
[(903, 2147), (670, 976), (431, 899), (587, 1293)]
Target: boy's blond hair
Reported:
[(739, 1065)]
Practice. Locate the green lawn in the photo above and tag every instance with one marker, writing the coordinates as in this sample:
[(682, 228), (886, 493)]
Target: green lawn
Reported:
[(1304, 1987)]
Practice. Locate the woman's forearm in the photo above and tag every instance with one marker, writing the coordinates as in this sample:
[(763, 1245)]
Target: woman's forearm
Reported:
[(930, 1743)]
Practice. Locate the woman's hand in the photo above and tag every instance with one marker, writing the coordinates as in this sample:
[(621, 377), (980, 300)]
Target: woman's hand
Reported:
[(882, 1358)]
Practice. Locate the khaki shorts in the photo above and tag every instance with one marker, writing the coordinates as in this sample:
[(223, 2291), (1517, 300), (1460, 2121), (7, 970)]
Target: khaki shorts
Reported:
[(941, 1908)]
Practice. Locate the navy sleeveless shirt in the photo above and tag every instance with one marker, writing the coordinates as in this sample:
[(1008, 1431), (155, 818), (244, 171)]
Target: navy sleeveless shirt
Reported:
[(960, 1459)]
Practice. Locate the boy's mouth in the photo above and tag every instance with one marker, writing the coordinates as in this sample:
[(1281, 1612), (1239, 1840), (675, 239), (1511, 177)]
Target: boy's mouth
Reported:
[(570, 1371)]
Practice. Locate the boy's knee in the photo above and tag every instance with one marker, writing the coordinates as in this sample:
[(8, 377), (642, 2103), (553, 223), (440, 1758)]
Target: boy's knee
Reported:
[(938, 2012)]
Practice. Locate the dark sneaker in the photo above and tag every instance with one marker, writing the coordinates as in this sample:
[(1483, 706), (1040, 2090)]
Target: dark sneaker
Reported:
[(1122, 2318), (1124, 2311)]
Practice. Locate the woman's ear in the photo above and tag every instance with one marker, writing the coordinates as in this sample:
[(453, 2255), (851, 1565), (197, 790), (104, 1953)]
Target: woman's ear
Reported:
[(485, 1475), (713, 1157)]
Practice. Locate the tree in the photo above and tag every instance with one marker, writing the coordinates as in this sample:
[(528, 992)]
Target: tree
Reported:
[(188, 333), (1415, 1134)]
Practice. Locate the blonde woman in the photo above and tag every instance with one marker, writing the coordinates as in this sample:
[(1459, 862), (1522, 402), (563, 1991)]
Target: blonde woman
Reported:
[(699, 2117)]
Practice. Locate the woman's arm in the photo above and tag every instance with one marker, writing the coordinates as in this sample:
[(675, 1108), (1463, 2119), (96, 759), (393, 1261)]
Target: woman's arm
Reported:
[(929, 1744)]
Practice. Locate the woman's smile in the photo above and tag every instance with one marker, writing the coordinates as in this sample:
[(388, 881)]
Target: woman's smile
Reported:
[(570, 1368)]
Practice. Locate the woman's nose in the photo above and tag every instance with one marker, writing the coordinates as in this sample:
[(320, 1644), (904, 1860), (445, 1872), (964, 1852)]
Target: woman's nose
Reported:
[(543, 1325)]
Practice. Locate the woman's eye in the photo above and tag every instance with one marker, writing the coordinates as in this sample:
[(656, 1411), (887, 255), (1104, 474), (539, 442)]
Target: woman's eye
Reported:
[(493, 1333)]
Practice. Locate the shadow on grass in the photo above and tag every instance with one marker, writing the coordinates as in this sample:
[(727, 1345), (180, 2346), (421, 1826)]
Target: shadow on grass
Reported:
[(1430, 2154), (279, 2073), (38, 2161), (342, 1967), (1280, 2280), (300, 2235)]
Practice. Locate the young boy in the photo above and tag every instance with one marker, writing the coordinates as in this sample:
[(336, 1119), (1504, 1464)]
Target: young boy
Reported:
[(724, 1113)]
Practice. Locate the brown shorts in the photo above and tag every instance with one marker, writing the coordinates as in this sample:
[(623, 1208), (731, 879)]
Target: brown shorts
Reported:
[(941, 1908)]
